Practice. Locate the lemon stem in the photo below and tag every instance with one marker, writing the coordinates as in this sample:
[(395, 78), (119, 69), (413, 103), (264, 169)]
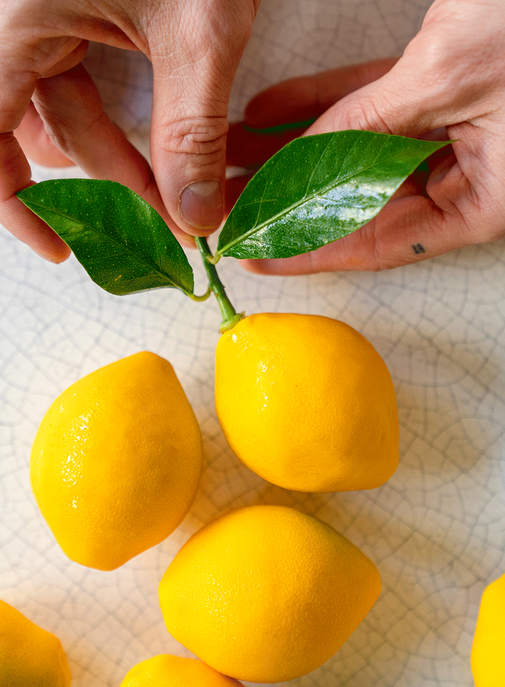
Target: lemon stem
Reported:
[(203, 297), (228, 313)]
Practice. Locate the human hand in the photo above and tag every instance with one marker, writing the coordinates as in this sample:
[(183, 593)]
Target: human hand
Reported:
[(449, 82), (194, 48)]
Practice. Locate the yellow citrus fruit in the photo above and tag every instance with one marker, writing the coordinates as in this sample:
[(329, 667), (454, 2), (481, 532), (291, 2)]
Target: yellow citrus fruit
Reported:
[(116, 461), (266, 593), (307, 403), (488, 663), (172, 671), (29, 655)]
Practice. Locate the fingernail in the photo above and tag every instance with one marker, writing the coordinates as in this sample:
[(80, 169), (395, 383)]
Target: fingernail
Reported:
[(187, 241), (201, 204), (51, 248)]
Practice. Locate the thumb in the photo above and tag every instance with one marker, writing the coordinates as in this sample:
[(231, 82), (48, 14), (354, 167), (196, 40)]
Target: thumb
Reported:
[(189, 125), (392, 105), (438, 82)]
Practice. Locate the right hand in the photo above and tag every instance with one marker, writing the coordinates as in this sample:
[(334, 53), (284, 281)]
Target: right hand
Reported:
[(194, 46)]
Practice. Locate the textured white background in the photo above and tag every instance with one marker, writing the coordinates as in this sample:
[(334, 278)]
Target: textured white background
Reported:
[(435, 530)]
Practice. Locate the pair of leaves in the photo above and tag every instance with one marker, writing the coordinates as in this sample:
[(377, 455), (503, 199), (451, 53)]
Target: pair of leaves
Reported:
[(315, 190)]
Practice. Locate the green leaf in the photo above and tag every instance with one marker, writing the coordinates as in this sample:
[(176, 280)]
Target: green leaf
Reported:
[(318, 189), (120, 240)]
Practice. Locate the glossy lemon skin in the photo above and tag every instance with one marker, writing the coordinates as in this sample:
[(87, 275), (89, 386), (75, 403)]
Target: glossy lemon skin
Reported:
[(488, 649), (307, 403), (266, 593), (173, 671), (116, 461), (29, 655)]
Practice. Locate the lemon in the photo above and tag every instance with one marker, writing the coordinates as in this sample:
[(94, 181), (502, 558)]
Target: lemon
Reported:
[(307, 403), (266, 593), (116, 461), (29, 655), (488, 664), (172, 671)]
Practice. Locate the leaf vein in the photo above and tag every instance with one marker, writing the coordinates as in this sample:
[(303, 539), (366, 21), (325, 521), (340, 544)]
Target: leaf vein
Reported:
[(122, 247), (306, 199)]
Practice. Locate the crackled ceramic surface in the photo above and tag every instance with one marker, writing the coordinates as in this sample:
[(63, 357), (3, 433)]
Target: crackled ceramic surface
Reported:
[(435, 530)]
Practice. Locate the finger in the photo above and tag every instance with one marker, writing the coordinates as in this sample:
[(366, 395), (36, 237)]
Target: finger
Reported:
[(283, 112), (233, 189), (305, 97), (16, 217), (410, 228), (461, 205), (15, 93), (417, 183), (414, 185), (190, 101), (252, 148), (74, 118), (407, 230), (440, 82), (68, 61), (18, 81), (31, 134), (36, 144)]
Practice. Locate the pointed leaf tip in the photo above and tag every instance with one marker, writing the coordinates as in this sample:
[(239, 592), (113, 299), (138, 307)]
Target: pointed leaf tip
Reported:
[(318, 189)]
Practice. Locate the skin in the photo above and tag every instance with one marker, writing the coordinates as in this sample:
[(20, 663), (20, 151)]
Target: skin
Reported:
[(194, 47), (450, 82)]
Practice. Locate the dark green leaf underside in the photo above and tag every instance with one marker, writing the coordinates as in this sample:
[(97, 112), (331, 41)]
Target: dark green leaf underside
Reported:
[(318, 189), (121, 241)]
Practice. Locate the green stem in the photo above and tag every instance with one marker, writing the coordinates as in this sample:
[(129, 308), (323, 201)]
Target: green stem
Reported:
[(228, 313), (203, 297)]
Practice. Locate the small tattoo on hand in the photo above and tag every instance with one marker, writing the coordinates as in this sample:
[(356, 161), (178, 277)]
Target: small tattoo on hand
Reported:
[(418, 248)]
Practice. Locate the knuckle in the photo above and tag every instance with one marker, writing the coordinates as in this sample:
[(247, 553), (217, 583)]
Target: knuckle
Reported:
[(493, 228), (441, 83), (202, 136), (11, 160), (447, 68), (496, 231), (379, 259), (66, 132), (364, 114), (499, 235)]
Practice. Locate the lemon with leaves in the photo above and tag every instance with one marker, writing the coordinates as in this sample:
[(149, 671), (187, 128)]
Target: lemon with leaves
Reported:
[(29, 655), (267, 593), (166, 670), (116, 461), (488, 664), (307, 403)]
